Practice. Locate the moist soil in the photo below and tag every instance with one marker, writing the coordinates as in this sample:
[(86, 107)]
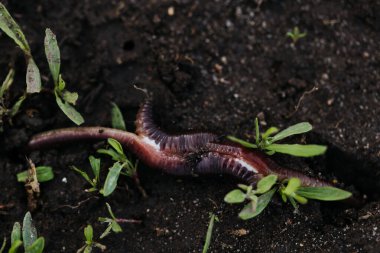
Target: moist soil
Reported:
[(210, 65)]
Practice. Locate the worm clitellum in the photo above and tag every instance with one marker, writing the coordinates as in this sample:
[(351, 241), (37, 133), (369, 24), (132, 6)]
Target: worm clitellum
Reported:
[(182, 154)]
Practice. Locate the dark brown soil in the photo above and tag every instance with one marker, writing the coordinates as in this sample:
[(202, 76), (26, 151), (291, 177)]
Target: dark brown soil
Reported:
[(211, 65)]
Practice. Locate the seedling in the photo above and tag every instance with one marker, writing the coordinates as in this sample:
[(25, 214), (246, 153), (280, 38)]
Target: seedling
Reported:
[(7, 110), (123, 166), (210, 228), (89, 243), (112, 223), (13, 30), (295, 34), (290, 190), (27, 237), (44, 174), (95, 166), (265, 141), (64, 98)]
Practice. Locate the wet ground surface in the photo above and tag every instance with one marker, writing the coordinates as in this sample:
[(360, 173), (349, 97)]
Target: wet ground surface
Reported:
[(211, 65)]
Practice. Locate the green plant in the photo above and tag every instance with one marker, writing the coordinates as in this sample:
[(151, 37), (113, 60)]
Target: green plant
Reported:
[(267, 142), (210, 228), (295, 34), (95, 166), (7, 110), (44, 174), (64, 98), (112, 223), (90, 243), (27, 237), (13, 30), (117, 118), (289, 189)]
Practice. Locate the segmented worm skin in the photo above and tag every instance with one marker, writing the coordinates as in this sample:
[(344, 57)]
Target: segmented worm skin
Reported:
[(182, 154)]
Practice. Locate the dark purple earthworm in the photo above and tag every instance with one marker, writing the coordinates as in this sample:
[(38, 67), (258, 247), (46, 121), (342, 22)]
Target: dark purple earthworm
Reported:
[(182, 154)]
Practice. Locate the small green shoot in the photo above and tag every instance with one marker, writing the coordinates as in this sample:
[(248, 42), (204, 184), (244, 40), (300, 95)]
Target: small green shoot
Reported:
[(295, 34), (210, 228), (257, 199), (3, 245), (122, 165), (65, 99), (7, 110), (112, 223), (95, 166), (90, 243), (44, 174), (27, 237), (117, 118), (13, 30), (289, 189), (267, 141)]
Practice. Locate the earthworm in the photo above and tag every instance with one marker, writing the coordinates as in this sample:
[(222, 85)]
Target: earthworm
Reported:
[(181, 154)]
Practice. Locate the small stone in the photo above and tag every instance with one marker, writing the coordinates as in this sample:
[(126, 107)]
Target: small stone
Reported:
[(171, 11), (64, 180)]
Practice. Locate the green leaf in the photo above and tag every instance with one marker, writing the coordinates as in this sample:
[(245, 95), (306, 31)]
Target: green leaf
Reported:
[(248, 211), (116, 145), (116, 227), (70, 97), (44, 173), (110, 211), (61, 83), (292, 186), (235, 196), (14, 246), (52, 53), (326, 193), (37, 246), (265, 184), (33, 77), (269, 132), (83, 174), (12, 29), (262, 203), (117, 118), (300, 199), (243, 187), (106, 232), (112, 153), (70, 111), (210, 228), (88, 249), (16, 232), (298, 149), (111, 180), (29, 231), (7, 82), (95, 165), (88, 233), (241, 142), (16, 107), (299, 128)]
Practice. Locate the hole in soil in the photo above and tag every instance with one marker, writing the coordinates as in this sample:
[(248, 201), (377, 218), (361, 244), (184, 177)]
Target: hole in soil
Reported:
[(361, 173), (129, 45)]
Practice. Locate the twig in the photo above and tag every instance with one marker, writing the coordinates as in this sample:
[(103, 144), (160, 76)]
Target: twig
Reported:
[(315, 88)]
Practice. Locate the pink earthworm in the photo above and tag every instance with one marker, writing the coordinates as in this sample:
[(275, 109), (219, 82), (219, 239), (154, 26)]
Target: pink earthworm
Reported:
[(182, 154)]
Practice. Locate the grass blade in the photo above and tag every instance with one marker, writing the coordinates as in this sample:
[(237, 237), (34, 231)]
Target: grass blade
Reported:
[(241, 142), (298, 149), (210, 228), (323, 193), (44, 173), (7, 82), (299, 128), (117, 118)]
